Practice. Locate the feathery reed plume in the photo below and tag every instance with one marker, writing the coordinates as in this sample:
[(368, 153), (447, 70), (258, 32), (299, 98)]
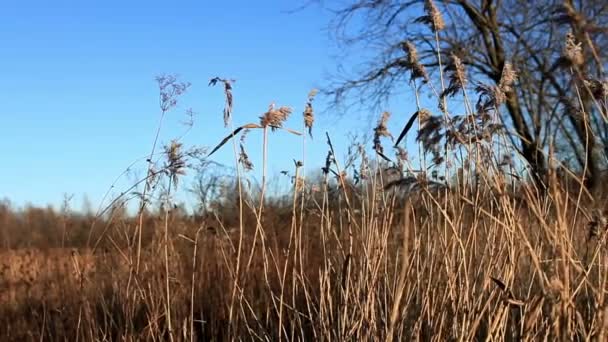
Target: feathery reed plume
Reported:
[(381, 131), (228, 92), (505, 85), (410, 51), (275, 117), (176, 163), (416, 68), (298, 182), (401, 153), (433, 17), (309, 115), (402, 157), (170, 90), (491, 97), (244, 135), (364, 166), (573, 52), (424, 115), (244, 159), (430, 134), (457, 76)]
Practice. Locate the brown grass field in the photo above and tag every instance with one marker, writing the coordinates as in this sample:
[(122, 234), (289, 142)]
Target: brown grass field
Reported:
[(498, 268)]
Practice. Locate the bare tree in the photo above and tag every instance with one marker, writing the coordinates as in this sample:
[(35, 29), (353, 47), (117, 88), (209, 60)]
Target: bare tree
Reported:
[(207, 183), (558, 49)]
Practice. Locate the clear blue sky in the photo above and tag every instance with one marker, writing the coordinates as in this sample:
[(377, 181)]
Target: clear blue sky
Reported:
[(79, 101)]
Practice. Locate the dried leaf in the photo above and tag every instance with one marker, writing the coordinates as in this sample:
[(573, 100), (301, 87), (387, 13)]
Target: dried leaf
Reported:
[(407, 127), (234, 133)]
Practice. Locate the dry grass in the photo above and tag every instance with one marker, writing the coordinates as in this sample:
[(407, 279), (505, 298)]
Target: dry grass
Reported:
[(486, 266)]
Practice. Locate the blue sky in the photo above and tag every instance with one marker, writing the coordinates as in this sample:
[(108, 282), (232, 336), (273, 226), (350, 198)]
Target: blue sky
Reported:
[(80, 104)]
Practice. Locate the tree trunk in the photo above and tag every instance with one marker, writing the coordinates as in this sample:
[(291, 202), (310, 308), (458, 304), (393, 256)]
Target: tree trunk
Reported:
[(530, 149)]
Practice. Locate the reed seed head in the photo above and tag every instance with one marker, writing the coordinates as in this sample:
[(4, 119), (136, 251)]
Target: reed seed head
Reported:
[(410, 50), (170, 90), (573, 50), (244, 159), (309, 115), (176, 163), (402, 156), (416, 68), (457, 76), (364, 166), (459, 71), (424, 115), (275, 117), (432, 17), (228, 93), (381, 130), (507, 78), (499, 93)]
